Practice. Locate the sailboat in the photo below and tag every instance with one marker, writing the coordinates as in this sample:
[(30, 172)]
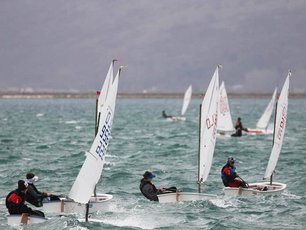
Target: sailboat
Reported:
[(263, 122), (82, 198), (270, 187), (225, 122), (207, 140), (186, 101)]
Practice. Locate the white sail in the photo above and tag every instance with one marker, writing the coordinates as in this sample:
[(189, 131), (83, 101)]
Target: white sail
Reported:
[(279, 127), (105, 88), (208, 126), (187, 98), (263, 122), (225, 122), (91, 170)]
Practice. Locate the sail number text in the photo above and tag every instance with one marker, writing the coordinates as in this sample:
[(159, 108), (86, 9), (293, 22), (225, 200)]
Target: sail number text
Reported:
[(282, 122), (104, 136), (223, 105)]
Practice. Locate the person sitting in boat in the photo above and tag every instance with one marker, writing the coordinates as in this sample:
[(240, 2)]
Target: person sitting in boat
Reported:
[(165, 115), (35, 197), (149, 190), (229, 174), (15, 201), (239, 128)]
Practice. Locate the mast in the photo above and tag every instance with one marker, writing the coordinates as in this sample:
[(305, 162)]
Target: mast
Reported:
[(199, 182), (274, 135), (96, 131), (97, 118)]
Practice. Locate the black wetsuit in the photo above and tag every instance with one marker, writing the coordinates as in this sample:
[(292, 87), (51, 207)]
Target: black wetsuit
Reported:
[(148, 190), (239, 129), (35, 197), (15, 204)]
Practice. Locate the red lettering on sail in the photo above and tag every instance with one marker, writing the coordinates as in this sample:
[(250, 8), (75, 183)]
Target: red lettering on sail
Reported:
[(223, 106), (282, 122), (210, 122)]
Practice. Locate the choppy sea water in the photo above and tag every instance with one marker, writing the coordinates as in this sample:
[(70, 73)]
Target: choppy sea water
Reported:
[(49, 137)]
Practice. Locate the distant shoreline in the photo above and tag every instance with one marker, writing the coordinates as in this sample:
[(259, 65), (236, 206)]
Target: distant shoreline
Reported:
[(161, 95)]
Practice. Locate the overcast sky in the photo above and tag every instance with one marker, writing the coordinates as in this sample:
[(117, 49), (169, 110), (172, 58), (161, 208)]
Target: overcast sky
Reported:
[(167, 44)]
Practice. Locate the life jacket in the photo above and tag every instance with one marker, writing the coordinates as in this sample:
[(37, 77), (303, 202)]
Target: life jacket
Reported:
[(224, 175), (14, 197), (238, 125), (14, 200)]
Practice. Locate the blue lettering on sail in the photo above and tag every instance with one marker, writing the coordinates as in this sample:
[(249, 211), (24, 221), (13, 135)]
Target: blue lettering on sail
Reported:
[(104, 136)]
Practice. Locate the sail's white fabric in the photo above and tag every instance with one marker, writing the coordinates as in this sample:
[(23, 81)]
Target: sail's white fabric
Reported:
[(105, 88), (225, 122), (208, 126), (91, 170), (187, 98), (263, 121), (279, 128)]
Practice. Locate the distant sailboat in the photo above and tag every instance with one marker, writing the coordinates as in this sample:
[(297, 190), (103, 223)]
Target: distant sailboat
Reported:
[(186, 101), (263, 122), (270, 187), (225, 122), (207, 140)]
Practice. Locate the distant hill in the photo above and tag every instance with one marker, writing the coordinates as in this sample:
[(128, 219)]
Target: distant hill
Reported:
[(44, 95)]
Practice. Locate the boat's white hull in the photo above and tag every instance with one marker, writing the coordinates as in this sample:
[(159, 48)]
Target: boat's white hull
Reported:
[(260, 188), (68, 206), (183, 196), (259, 131), (256, 131), (16, 219), (176, 118), (225, 133)]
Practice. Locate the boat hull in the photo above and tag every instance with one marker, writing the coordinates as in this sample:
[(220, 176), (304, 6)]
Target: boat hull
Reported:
[(256, 189), (257, 131), (176, 118), (225, 134), (183, 196), (16, 219), (68, 206)]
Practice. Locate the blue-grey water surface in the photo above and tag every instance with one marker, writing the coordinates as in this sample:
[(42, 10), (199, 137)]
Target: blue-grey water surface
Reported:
[(49, 137)]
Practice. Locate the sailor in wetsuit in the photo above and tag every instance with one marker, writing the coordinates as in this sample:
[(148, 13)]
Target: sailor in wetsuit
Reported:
[(34, 196), (15, 201), (229, 174), (165, 115), (147, 188), (239, 128)]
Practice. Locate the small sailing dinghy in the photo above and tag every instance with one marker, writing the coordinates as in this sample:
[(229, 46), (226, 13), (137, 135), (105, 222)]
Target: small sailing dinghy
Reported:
[(270, 187), (225, 122), (263, 122), (82, 198), (186, 101), (207, 140)]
